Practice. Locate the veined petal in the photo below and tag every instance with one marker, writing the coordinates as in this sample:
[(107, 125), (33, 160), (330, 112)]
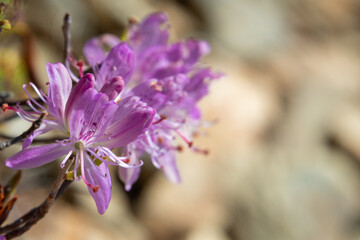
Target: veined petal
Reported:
[(98, 176), (95, 50), (45, 127), (60, 85), (131, 119), (119, 62), (85, 83), (38, 156), (88, 114)]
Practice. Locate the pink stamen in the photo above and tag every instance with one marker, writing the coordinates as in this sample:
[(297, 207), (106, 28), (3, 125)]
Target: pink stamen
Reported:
[(97, 156), (32, 106), (76, 167), (201, 151), (62, 165), (189, 143), (32, 99), (94, 188), (37, 92), (117, 160), (29, 114), (6, 107), (162, 118)]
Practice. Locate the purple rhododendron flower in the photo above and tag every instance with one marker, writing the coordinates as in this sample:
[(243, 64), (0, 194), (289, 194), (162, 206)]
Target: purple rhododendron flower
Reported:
[(94, 123), (165, 76)]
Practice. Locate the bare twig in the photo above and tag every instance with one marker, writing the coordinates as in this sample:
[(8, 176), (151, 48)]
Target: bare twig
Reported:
[(14, 103), (67, 46), (42, 140), (35, 125), (67, 37), (24, 223)]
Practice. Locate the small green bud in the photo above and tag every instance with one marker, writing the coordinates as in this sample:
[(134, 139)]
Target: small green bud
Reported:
[(5, 25)]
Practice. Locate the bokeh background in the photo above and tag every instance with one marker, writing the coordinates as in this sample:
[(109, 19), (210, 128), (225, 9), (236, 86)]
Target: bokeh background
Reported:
[(284, 139)]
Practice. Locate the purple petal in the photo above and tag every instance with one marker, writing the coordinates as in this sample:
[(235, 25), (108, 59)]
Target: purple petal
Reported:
[(95, 49), (199, 83), (131, 119), (164, 61), (168, 164), (119, 62), (45, 127), (98, 176), (60, 85), (152, 31), (129, 176), (113, 88), (37, 156), (195, 50), (158, 93), (85, 83), (2, 237)]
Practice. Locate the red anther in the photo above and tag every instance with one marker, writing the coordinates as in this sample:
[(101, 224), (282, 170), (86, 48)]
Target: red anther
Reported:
[(80, 64), (126, 160), (133, 20), (47, 83), (206, 152), (160, 140), (95, 188), (179, 148), (189, 143), (201, 151), (162, 117)]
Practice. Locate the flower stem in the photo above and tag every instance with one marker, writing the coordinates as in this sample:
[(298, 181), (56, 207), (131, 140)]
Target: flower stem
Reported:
[(25, 222)]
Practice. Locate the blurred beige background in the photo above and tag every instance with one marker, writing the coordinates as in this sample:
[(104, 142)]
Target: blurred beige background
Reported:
[(285, 143)]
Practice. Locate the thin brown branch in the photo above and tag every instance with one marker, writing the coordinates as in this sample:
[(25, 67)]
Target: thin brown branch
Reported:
[(42, 140), (67, 37), (14, 103), (35, 125), (24, 223)]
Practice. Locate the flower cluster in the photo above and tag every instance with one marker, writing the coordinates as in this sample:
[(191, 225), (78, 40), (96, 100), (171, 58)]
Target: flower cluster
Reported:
[(143, 93)]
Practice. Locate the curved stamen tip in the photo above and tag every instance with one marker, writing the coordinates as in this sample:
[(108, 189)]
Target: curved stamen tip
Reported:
[(162, 117), (6, 107)]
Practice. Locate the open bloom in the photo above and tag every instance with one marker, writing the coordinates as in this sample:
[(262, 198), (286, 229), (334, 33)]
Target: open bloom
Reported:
[(95, 124), (165, 76)]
